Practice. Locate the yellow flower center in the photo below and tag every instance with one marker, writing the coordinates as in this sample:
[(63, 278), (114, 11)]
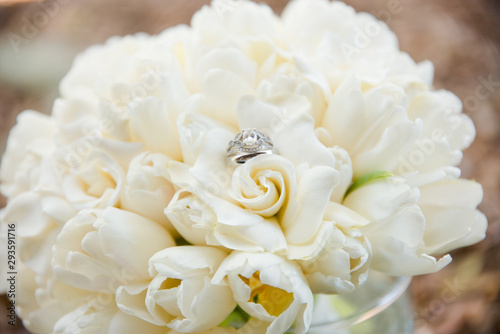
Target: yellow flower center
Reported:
[(274, 300), (170, 283)]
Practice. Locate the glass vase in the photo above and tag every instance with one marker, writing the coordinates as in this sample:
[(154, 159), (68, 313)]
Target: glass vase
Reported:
[(382, 305)]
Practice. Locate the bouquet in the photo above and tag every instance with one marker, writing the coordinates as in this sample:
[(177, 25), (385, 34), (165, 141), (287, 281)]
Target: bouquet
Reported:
[(235, 167)]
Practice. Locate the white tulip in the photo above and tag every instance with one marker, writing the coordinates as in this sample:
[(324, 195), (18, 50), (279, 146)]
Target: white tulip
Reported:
[(269, 288), (60, 308), (30, 140), (444, 134), (155, 126), (373, 126), (94, 317), (221, 21), (77, 117), (101, 101), (103, 249), (181, 295), (342, 265), (98, 183), (305, 229), (343, 165), (210, 170), (193, 126), (290, 130), (35, 229), (148, 191), (344, 40), (363, 174), (452, 220), (396, 228), (224, 75), (217, 330), (304, 19), (290, 86)]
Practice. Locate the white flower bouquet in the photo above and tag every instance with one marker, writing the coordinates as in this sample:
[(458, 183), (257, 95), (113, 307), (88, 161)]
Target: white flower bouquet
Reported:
[(240, 165)]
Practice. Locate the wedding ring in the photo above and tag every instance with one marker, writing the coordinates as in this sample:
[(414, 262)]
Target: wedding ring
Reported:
[(248, 144)]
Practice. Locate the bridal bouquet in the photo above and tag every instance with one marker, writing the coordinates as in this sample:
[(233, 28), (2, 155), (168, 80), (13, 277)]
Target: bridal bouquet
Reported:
[(235, 167)]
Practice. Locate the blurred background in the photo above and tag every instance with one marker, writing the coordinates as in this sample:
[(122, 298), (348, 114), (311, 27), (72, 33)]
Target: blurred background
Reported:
[(38, 41)]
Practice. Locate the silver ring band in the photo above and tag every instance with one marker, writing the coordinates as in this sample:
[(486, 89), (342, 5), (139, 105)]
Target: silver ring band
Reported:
[(247, 145)]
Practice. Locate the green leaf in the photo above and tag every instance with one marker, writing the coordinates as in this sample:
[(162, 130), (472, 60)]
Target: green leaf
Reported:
[(370, 177), (236, 319)]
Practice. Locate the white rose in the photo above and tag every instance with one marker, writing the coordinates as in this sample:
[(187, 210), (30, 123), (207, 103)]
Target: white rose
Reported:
[(203, 211), (342, 265), (204, 219), (29, 141), (102, 249), (295, 139), (181, 295), (269, 288), (147, 190), (265, 185)]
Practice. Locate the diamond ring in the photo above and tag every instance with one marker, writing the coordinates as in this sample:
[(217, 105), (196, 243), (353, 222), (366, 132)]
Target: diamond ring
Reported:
[(248, 144)]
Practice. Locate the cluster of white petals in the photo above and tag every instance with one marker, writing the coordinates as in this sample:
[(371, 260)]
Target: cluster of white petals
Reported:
[(130, 220)]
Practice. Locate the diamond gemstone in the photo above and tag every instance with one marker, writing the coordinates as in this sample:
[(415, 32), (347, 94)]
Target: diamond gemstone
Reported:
[(248, 144), (250, 138), (249, 141)]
